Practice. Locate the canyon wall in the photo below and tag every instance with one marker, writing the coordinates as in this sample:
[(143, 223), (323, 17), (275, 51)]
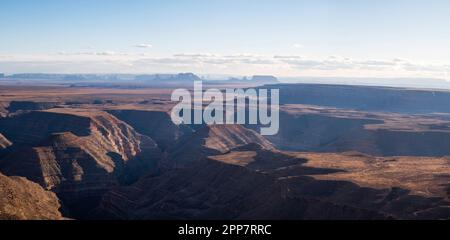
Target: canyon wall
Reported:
[(21, 199), (78, 155)]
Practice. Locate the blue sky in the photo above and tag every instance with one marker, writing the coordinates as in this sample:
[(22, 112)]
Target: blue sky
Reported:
[(288, 38)]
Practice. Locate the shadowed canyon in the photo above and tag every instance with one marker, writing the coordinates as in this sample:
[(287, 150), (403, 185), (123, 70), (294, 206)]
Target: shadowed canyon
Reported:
[(342, 152)]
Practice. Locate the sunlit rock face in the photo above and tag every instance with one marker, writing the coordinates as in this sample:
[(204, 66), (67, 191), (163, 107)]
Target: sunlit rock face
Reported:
[(21, 199), (213, 139), (4, 143)]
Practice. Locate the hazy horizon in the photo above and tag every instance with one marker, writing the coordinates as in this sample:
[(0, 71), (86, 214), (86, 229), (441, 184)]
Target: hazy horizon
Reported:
[(370, 39)]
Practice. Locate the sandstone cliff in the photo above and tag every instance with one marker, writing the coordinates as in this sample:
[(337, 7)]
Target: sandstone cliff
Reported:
[(21, 199), (4, 143), (219, 189), (212, 140), (316, 129), (251, 182), (155, 124), (94, 154), (15, 106), (3, 109)]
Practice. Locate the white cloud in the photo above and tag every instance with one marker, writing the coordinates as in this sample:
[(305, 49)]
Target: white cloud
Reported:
[(288, 57), (298, 45), (104, 53), (143, 45), (195, 55), (237, 64)]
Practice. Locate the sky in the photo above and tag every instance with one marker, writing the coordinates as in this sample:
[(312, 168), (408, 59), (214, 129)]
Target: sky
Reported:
[(341, 38)]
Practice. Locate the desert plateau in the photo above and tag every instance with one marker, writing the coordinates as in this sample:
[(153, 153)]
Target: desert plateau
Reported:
[(112, 152)]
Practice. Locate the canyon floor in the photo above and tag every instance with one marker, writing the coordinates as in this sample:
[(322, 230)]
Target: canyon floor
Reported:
[(114, 153)]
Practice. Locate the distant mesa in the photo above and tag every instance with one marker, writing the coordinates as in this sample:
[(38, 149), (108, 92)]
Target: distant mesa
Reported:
[(69, 77), (134, 80), (185, 77), (367, 98), (256, 79), (266, 79), (180, 77), (36, 76)]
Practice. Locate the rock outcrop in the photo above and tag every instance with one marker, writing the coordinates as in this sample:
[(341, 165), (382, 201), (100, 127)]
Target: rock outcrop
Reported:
[(95, 153), (367, 98), (317, 132), (3, 109), (15, 106), (4, 143), (29, 129), (215, 189), (264, 79), (155, 124), (255, 183), (21, 199), (214, 139)]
